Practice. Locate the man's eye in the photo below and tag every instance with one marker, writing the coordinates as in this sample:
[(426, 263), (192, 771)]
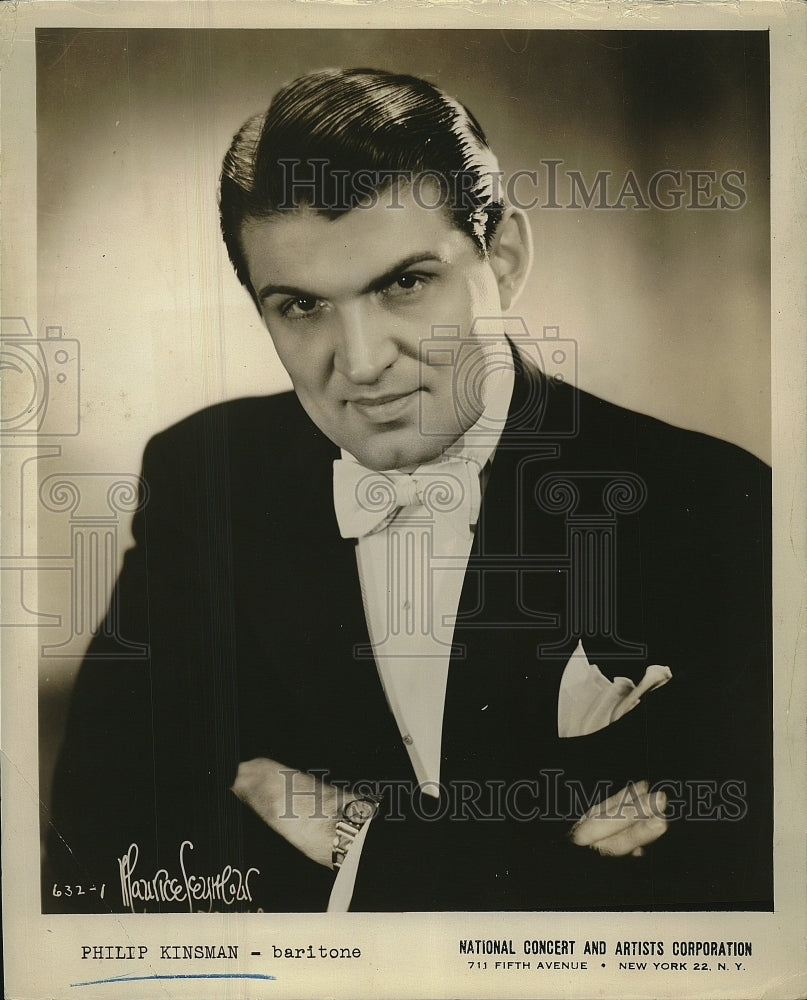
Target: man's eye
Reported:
[(407, 280), (301, 307), (404, 284)]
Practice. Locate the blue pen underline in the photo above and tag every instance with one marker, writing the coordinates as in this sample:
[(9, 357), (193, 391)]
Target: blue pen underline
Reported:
[(179, 975)]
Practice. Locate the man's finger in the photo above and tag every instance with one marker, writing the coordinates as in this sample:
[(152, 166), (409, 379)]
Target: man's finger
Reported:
[(618, 813), (616, 804), (633, 839)]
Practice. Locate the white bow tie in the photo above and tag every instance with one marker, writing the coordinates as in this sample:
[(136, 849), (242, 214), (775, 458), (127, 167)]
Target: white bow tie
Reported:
[(367, 501)]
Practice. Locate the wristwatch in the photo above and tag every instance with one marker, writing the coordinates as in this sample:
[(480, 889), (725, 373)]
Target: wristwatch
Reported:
[(354, 815)]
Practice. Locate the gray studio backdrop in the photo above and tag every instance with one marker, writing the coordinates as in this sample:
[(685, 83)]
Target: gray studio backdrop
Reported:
[(669, 310)]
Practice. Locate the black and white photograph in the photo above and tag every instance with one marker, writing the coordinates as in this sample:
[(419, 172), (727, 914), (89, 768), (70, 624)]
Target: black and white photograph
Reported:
[(394, 546)]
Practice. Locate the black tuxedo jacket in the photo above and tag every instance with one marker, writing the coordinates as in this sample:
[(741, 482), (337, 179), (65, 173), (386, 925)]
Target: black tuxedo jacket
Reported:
[(647, 542)]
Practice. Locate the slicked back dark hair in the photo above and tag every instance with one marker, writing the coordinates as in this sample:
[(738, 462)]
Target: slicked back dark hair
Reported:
[(333, 138)]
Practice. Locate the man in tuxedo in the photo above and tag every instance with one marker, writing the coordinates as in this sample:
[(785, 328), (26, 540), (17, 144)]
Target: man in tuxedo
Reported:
[(435, 631)]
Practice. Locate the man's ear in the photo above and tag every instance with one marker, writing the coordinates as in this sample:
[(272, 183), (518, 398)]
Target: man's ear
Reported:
[(510, 255)]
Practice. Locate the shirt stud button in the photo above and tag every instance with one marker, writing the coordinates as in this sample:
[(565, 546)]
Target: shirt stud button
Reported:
[(408, 740)]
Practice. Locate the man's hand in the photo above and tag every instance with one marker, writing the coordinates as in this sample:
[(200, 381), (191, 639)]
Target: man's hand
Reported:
[(298, 806), (624, 823)]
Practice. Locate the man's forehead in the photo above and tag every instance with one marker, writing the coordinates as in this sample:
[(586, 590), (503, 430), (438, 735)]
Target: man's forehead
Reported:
[(304, 245)]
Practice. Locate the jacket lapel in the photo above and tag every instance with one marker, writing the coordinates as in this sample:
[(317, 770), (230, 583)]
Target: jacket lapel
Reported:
[(515, 631), (509, 604)]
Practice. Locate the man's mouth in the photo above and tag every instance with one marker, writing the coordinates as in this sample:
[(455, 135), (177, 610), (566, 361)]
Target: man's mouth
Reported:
[(383, 408)]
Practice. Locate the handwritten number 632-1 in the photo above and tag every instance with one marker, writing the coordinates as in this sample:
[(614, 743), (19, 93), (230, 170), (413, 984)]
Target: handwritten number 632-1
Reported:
[(77, 890)]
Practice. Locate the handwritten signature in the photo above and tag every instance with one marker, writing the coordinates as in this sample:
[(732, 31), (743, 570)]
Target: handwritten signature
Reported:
[(228, 886)]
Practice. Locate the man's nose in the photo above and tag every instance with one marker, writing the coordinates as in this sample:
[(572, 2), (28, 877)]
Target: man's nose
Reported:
[(366, 346)]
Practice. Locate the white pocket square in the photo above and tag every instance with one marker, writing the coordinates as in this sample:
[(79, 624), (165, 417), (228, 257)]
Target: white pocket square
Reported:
[(588, 701)]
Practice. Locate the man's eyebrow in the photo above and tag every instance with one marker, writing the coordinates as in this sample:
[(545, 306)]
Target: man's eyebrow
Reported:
[(416, 258), (375, 285), (297, 293)]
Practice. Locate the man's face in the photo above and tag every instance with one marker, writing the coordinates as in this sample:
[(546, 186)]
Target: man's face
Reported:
[(348, 303)]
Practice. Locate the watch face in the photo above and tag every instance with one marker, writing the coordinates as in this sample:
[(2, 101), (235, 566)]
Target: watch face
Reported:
[(359, 811)]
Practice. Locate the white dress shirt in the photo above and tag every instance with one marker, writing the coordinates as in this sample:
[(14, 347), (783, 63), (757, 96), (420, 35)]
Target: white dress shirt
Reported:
[(411, 574)]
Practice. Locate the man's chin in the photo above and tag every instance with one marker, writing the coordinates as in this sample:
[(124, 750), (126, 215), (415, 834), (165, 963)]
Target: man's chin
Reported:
[(380, 455)]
